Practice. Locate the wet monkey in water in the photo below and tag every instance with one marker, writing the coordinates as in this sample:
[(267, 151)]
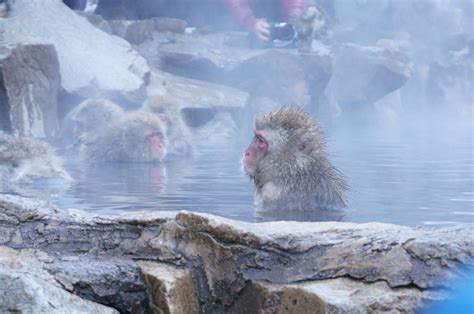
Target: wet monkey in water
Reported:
[(288, 164), (136, 137), (23, 159), (178, 133), (86, 120)]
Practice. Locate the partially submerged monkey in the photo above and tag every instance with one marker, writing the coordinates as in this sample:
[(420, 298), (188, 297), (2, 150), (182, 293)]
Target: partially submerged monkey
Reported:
[(24, 159), (178, 133), (136, 137), (289, 166), (85, 121)]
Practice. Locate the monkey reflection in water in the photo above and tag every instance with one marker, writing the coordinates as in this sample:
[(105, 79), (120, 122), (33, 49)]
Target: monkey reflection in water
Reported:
[(290, 168), (135, 137)]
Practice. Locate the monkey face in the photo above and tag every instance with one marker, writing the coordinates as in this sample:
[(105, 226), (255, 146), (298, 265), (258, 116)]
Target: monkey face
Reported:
[(254, 153), (156, 145)]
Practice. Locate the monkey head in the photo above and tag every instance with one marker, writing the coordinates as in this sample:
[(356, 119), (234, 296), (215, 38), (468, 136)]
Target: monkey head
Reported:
[(145, 134), (288, 164), (284, 138), (90, 115)]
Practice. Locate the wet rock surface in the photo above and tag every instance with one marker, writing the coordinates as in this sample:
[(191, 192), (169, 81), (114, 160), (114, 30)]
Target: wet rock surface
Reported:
[(234, 265), (29, 89), (26, 287)]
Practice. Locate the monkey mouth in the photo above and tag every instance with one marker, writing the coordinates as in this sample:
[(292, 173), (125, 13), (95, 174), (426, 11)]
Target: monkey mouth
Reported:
[(248, 170)]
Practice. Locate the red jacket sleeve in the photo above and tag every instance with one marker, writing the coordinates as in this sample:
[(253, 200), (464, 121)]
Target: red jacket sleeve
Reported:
[(241, 11)]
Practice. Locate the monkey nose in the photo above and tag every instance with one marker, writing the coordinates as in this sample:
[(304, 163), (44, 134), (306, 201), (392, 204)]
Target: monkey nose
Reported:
[(246, 154)]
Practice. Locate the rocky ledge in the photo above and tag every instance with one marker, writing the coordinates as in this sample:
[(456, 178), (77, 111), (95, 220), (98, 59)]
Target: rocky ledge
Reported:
[(181, 262)]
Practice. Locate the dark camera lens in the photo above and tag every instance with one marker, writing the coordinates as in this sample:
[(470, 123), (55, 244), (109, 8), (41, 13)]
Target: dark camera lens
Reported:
[(282, 31)]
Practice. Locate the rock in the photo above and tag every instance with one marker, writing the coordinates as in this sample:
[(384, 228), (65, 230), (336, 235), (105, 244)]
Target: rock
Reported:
[(219, 133), (24, 292), (108, 66), (192, 93), (138, 31), (202, 102), (114, 282), (122, 9), (338, 266), (328, 296), (363, 75), (29, 90), (283, 75), (171, 288), (203, 57), (98, 21), (25, 287)]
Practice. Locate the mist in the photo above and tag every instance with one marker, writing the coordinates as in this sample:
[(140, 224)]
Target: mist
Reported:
[(390, 83)]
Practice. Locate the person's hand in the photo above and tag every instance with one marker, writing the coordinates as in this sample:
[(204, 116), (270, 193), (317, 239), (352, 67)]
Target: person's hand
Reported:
[(261, 29)]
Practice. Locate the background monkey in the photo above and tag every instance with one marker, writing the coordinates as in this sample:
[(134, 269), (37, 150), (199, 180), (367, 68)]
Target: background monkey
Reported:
[(136, 137), (23, 159), (178, 133), (85, 121), (289, 166)]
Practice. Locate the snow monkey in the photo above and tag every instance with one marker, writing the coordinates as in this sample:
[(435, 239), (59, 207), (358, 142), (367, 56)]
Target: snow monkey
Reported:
[(84, 122), (288, 164), (178, 133), (136, 137), (23, 159)]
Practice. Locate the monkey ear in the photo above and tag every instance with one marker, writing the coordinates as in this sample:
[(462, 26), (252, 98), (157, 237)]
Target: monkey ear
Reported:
[(305, 148)]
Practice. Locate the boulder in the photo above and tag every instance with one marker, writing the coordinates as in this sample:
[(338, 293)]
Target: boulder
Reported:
[(29, 90), (202, 102), (138, 31), (91, 61), (363, 75), (237, 266), (171, 288), (192, 93), (25, 287), (284, 75), (339, 295), (199, 56)]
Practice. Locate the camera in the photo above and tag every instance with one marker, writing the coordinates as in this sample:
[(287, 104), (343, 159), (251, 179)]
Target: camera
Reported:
[(282, 32)]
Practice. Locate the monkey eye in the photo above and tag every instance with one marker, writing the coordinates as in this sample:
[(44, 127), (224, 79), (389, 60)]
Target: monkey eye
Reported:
[(260, 141)]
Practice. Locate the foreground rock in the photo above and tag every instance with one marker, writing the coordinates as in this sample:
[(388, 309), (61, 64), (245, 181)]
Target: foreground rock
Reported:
[(236, 266), (90, 60), (171, 288), (29, 90), (26, 288)]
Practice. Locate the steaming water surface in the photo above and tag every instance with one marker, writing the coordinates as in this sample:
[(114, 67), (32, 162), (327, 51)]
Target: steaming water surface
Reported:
[(405, 176)]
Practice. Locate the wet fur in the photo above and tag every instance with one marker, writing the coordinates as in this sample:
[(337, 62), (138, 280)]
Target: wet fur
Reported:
[(178, 133), (124, 140), (23, 159), (289, 178)]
